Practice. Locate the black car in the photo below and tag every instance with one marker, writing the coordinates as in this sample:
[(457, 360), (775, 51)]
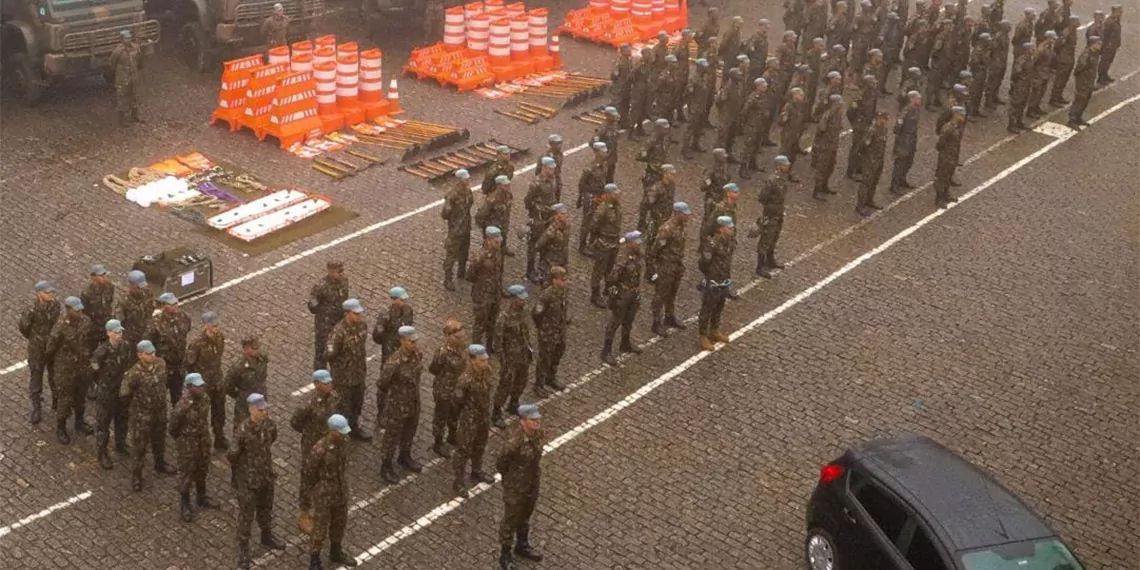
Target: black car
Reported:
[(910, 503)]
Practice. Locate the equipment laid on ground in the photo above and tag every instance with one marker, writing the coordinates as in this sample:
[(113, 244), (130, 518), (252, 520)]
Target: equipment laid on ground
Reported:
[(181, 271), (572, 88), (616, 22), (470, 157), (596, 116)]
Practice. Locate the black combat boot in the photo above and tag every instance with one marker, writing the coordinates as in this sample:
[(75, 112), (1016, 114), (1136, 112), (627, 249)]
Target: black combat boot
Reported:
[(81, 426), (608, 352), (448, 282), (388, 472), (506, 561), (671, 321), (61, 432), (244, 561), (743, 171), (772, 260), (270, 541), (440, 449), (479, 476), (184, 502), (523, 547), (596, 297), (105, 459), (410, 464), (659, 327), (162, 468), (136, 479), (553, 383), (204, 500), (315, 562), (37, 414), (627, 345), (339, 556), (460, 489)]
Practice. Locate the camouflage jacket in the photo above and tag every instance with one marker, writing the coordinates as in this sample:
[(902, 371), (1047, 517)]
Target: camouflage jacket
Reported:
[(772, 195), (189, 422), (716, 259), (551, 314), (592, 183), (168, 333), (538, 201), (247, 377), (204, 356), (792, 120), (658, 200), (513, 337), (251, 454), (144, 388), (828, 130), (325, 300), (98, 305), (110, 362), (37, 322), (400, 380), (328, 461), (553, 246), (495, 210), (68, 344), (447, 365), (457, 208), (557, 180), (668, 250), (386, 331), (605, 233), (126, 60), (274, 30), (134, 311), (520, 462), (875, 145), (607, 133), (626, 272), (722, 208), (493, 171), (486, 274), (310, 419), (473, 396), (347, 353), (713, 180)]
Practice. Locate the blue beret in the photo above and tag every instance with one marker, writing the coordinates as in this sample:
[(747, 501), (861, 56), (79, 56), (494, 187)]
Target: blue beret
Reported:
[(502, 179), (957, 110), (782, 160), (339, 423), (167, 298), (73, 303), (719, 153), (210, 317), (668, 168), (611, 188), (554, 138), (599, 146), (835, 98), (44, 287), (113, 325), (611, 110), (98, 269), (633, 237), (517, 291), (760, 82), (726, 221), (702, 62), (834, 75), (478, 351), (137, 278), (397, 293), (731, 188), (145, 346), (493, 232), (742, 58), (671, 58), (560, 208), (194, 379), (322, 376), (407, 332), (549, 162), (529, 411), (683, 208), (462, 173), (662, 122), (352, 305), (503, 149), (1051, 34)]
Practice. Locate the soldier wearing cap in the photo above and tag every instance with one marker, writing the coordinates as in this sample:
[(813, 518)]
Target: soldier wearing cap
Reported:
[(714, 178), (519, 462), (681, 52), (941, 62), (167, 329), (949, 146), (486, 276), (501, 167), (919, 40), (911, 81), (204, 356), (36, 324), (1020, 77), (1041, 74), (496, 210), (551, 317), (641, 93), (553, 150), (906, 143), (655, 153), (591, 188), (839, 27), (874, 155), (248, 375), (607, 133), (771, 220), (144, 393), (252, 461), (1096, 28), (793, 118), (109, 362), (1064, 59), (98, 303), (67, 349), (995, 68), (136, 307), (861, 114), (756, 48), (825, 147), (1047, 21), (190, 428), (325, 300), (758, 124), (400, 382), (515, 338), (540, 198), (457, 213), (309, 419), (126, 61), (621, 82), (448, 363), (1084, 81), (814, 22), (623, 287), (874, 68), (716, 267), (729, 103), (1063, 14), (472, 403), (667, 257), (814, 58), (710, 30), (328, 462), (553, 247), (979, 68), (661, 49), (671, 92), (1023, 33), (725, 207), (603, 240), (700, 98), (657, 206), (347, 355), (1110, 35), (730, 39), (833, 86), (891, 42), (386, 331), (862, 30), (275, 28)]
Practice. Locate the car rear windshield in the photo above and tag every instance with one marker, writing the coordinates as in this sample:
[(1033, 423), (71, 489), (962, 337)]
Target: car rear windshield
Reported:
[(1048, 554)]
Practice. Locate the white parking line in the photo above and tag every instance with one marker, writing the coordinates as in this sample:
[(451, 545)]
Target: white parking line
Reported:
[(4, 531), (444, 509)]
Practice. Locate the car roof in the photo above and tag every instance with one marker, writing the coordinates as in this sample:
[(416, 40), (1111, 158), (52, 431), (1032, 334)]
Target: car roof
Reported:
[(960, 502)]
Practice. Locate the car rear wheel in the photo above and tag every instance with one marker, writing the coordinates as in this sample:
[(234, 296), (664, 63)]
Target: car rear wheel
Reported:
[(24, 79), (192, 46), (819, 550)]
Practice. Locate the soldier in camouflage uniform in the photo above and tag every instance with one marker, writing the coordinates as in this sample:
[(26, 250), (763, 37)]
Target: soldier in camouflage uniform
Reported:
[(681, 52), (874, 156), (400, 380), (604, 235), (309, 419), (622, 82), (825, 147), (1019, 80), (725, 207), (472, 403), (949, 145), (861, 114), (554, 150), (168, 330), (325, 300), (249, 375), (551, 317), (671, 91), (252, 461), (67, 349), (143, 392), (756, 48), (623, 287), (716, 287), (995, 68), (501, 167), (793, 119), (486, 276), (786, 54), (347, 354), (758, 124), (540, 198), (553, 246), (657, 204), (386, 331), (667, 255), (1111, 36), (771, 219), (457, 213), (98, 303), (1084, 81), (699, 97), (655, 154), (109, 362), (519, 462), (911, 81), (941, 63), (328, 462), (135, 308), (714, 177), (906, 143), (1041, 74), (710, 30), (641, 92), (496, 211), (729, 103), (1064, 59), (591, 186), (190, 428), (607, 134), (839, 27), (204, 356), (126, 60), (36, 325), (449, 362), (275, 28), (513, 334)]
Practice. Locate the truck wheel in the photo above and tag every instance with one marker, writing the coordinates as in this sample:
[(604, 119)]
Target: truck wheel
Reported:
[(24, 79), (192, 46)]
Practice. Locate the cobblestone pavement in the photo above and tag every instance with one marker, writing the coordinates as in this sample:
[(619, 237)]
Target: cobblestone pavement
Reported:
[(709, 469)]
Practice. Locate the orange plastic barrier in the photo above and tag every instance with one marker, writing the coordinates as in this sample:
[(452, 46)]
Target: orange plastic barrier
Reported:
[(616, 22), (259, 96), (294, 115), (231, 96)]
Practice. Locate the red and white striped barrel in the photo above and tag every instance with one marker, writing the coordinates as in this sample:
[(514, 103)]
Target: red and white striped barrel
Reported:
[(516, 8), (325, 54), (600, 5), (301, 62), (491, 5), (371, 75), (520, 37), (279, 54), (326, 41), (346, 49), (499, 48), (658, 10), (641, 10), (619, 8), (348, 79), (478, 32), (325, 74), (454, 35), (538, 30), (472, 9), (304, 47)]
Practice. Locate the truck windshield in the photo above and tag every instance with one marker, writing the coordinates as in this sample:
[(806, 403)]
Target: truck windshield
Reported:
[(1048, 554)]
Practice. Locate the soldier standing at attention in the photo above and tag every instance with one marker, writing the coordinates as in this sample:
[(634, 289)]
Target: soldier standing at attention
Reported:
[(486, 276), (995, 69), (771, 219), (204, 356), (143, 393), (792, 121), (756, 48), (1019, 78), (603, 239), (874, 155), (553, 246), (446, 366), (325, 300), (386, 331), (1042, 72), (623, 285), (1065, 57), (757, 125), (668, 258), (979, 68), (1023, 33), (949, 144), (729, 103), (501, 167), (433, 21), (252, 460), (109, 362), (622, 82), (1110, 40), (36, 325), (539, 201), (551, 317), (126, 60), (190, 428), (275, 28), (309, 419), (825, 147), (400, 380), (519, 462), (67, 351), (716, 267), (168, 330), (607, 134), (591, 186), (516, 352), (834, 81), (249, 375), (912, 81), (554, 150), (655, 153), (473, 404), (98, 303), (714, 177), (641, 93), (906, 143), (1084, 81), (496, 211), (457, 213), (658, 206), (700, 95), (328, 461), (725, 207), (346, 352), (135, 308), (861, 114), (710, 30)]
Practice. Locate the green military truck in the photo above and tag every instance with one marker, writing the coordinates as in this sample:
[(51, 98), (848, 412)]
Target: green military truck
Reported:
[(209, 31), (43, 41)]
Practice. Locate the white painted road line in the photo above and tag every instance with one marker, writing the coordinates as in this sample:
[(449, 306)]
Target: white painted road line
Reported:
[(4, 531), (444, 509)]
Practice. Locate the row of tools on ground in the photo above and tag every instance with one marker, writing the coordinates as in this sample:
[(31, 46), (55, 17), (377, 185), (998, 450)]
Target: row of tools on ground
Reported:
[(570, 90), (411, 137), (469, 158)]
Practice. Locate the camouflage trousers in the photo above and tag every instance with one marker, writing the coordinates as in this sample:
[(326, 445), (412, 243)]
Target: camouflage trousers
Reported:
[(1018, 98), (994, 77), (71, 387), (1061, 75), (770, 227), (351, 403), (217, 412), (321, 331), (903, 162), (1080, 102), (513, 375), (603, 262), (147, 433), (483, 323), (255, 503), (37, 366), (193, 461), (665, 291), (175, 377), (943, 174), (712, 305), (1107, 56), (823, 163), (623, 309), (472, 444), (1037, 88), (550, 351), (455, 251), (444, 419), (399, 432), (328, 521), (517, 509), (872, 171), (110, 411), (126, 102), (588, 209)]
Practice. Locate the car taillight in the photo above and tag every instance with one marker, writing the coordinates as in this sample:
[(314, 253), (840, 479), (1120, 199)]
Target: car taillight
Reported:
[(829, 473)]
